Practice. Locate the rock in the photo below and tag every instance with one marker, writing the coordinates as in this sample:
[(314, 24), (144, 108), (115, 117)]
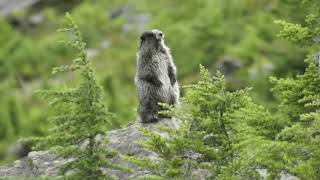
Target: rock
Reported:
[(138, 22), (317, 60), (35, 19), (281, 176), (261, 69), (114, 13), (105, 44), (286, 176), (42, 163), (92, 53), (18, 150), (267, 68), (9, 6), (134, 20), (316, 39), (227, 66)]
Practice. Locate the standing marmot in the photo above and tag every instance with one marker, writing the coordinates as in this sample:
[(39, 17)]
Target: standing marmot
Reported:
[(155, 79)]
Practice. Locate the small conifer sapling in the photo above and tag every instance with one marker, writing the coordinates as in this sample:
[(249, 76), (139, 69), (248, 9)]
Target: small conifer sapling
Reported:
[(81, 118)]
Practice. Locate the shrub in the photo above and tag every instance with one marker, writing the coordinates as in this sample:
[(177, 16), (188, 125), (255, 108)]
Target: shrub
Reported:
[(80, 120), (214, 134)]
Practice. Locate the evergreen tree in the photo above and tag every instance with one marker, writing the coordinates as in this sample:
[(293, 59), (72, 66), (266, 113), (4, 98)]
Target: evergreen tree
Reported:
[(300, 102), (216, 134), (80, 118)]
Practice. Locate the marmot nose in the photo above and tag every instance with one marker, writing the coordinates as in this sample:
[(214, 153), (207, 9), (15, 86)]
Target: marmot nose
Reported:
[(158, 34)]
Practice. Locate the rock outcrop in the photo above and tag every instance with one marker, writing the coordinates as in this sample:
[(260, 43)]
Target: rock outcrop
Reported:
[(42, 163)]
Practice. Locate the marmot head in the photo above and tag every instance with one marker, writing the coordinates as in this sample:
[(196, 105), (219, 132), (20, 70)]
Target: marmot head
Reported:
[(152, 40)]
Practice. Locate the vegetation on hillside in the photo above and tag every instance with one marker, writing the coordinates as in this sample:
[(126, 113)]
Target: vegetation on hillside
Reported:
[(226, 128), (229, 136), (81, 118)]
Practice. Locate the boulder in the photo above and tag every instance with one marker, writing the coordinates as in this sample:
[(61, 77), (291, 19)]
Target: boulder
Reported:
[(43, 163)]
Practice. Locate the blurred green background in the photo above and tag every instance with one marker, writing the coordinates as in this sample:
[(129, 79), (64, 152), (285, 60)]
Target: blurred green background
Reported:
[(237, 37)]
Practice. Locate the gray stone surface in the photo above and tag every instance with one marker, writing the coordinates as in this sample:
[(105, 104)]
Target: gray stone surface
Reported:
[(9, 6), (227, 65), (123, 140), (18, 150)]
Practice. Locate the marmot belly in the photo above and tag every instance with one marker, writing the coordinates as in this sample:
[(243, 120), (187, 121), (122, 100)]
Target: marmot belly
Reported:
[(147, 91)]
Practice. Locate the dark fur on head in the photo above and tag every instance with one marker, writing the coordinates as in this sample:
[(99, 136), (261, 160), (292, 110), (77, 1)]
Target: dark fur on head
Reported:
[(152, 40)]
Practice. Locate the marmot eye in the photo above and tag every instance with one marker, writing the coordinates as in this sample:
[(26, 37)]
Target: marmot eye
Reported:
[(160, 34)]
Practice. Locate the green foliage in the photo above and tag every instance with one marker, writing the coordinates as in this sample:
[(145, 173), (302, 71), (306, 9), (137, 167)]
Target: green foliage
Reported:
[(303, 34), (81, 118), (300, 103), (226, 134), (199, 32), (219, 132)]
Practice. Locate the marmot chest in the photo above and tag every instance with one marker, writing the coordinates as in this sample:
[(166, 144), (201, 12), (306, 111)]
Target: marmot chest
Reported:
[(155, 65), (159, 64)]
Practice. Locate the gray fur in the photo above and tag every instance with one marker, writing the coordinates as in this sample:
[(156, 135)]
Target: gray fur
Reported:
[(156, 79)]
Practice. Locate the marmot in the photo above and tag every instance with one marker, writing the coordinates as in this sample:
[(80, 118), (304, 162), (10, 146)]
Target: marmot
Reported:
[(156, 79)]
